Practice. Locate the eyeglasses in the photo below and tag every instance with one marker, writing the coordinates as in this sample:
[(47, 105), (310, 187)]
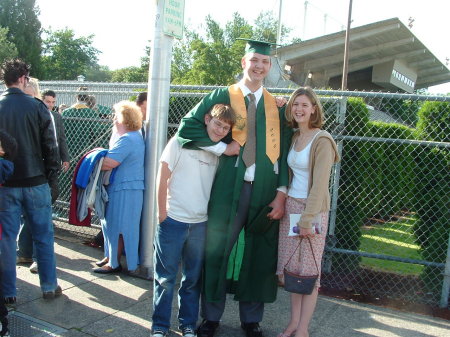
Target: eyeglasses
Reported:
[(221, 126)]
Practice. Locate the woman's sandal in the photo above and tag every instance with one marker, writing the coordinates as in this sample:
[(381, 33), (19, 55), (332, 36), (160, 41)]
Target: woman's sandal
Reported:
[(283, 334)]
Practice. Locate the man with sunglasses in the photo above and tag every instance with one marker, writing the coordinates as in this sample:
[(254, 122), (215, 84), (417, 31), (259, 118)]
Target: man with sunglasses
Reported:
[(26, 191)]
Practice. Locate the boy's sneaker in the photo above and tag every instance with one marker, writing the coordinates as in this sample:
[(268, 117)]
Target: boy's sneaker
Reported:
[(188, 332), (158, 333)]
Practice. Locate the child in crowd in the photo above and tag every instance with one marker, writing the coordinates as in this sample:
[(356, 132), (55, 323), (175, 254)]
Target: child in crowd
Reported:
[(185, 179), (8, 149)]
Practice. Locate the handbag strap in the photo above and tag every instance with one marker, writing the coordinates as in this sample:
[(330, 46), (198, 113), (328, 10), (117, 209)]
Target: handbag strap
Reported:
[(312, 251)]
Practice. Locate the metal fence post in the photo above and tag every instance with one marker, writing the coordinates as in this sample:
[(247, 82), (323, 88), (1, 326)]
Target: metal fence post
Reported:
[(157, 112), (446, 282), (331, 240)]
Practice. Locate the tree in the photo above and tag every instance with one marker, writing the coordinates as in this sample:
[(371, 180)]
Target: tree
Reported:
[(98, 73), (182, 56), (133, 74), (7, 49), (24, 30), (216, 58), (267, 26), (65, 56), (129, 74)]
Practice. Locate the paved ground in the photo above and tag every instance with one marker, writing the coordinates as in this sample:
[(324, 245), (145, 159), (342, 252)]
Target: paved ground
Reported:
[(120, 306)]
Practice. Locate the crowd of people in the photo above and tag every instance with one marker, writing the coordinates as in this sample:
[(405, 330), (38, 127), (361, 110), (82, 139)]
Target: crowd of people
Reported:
[(241, 165)]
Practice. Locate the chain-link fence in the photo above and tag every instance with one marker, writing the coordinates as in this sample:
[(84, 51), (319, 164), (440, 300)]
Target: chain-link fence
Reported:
[(389, 223)]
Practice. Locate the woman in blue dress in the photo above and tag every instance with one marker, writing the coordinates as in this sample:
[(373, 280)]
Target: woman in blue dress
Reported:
[(125, 193)]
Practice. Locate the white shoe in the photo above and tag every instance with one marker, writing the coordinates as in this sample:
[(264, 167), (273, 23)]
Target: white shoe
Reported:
[(159, 333), (188, 332), (34, 267)]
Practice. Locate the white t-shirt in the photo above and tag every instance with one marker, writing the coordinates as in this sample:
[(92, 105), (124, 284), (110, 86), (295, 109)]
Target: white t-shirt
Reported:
[(189, 186)]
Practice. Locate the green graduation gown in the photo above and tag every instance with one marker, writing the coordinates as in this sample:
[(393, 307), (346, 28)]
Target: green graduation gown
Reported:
[(249, 271)]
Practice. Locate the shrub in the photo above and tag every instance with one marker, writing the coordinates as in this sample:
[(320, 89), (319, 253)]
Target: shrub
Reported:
[(349, 208), (403, 110), (434, 122), (389, 186), (432, 198), (377, 178)]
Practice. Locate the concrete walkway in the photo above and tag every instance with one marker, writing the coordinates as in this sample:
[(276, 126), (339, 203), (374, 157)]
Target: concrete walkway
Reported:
[(120, 306)]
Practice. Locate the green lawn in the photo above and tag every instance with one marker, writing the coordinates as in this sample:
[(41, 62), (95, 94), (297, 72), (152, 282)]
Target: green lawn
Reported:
[(393, 238)]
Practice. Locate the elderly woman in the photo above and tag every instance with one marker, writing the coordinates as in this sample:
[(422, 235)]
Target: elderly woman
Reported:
[(125, 193)]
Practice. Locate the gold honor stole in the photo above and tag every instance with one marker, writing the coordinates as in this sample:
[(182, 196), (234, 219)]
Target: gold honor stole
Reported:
[(237, 102)]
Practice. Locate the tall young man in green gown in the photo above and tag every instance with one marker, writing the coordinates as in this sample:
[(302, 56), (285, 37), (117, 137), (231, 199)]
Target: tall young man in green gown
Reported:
[(246, 200)]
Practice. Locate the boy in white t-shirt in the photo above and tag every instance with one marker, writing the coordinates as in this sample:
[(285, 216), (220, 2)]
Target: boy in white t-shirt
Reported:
[(185, 179)]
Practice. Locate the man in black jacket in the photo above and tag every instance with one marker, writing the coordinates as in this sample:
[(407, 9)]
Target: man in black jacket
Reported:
[(49, 98), (27, 191)]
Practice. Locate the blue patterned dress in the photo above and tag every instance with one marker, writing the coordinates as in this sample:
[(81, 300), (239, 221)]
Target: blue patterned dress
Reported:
[(126, 192)]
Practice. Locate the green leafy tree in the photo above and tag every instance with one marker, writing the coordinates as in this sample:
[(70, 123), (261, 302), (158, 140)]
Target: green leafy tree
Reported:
[(66, 56), (216, 58), (182, 56), (128, 74), (133, 74), (7, 48), (98, 73), (24, 30), (266, 27)]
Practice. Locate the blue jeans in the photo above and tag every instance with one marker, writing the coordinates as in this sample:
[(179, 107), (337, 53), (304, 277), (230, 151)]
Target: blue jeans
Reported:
[(34, 202), (177, 242), (25, 241)]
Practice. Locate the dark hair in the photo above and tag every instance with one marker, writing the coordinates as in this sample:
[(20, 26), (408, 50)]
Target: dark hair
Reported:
[(316, 120), (83, 97), (90, 101), (224, 113), (49, 93), (12, 70), (9, 145), (141, 98)]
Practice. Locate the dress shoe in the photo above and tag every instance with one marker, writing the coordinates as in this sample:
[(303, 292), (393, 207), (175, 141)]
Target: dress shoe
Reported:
[(108, 271), (207, 328), (252, 329), (101, 263), (24, 260), (10, 300), (49, 295)]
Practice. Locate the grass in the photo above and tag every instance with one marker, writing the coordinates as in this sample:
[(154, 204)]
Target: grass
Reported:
[(394, 238)]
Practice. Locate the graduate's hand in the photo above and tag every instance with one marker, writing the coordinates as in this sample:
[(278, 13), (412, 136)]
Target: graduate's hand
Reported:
[(280, 101), (277, 206), (232, 149)]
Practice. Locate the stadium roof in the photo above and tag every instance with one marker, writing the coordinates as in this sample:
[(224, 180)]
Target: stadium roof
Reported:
[(380, 49)]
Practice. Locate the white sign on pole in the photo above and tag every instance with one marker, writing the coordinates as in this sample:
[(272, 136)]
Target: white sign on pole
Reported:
[(173, 18)]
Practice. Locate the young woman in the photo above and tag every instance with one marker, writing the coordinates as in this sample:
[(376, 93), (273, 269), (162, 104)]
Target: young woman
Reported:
[(311, 156)]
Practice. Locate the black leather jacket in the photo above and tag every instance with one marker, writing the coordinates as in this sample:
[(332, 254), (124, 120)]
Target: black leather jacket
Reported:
[(28, 121)]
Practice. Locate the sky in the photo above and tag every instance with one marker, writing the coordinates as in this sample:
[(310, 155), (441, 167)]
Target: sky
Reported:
[(122, 29)]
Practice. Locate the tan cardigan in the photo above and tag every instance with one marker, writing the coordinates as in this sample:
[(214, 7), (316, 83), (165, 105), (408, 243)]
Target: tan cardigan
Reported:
[(323, 155)]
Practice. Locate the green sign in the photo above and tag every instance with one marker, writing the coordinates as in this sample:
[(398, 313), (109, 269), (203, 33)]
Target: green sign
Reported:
[(173, 18)]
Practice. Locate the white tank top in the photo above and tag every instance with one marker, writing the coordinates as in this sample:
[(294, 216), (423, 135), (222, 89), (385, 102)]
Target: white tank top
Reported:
[(299, 164)]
